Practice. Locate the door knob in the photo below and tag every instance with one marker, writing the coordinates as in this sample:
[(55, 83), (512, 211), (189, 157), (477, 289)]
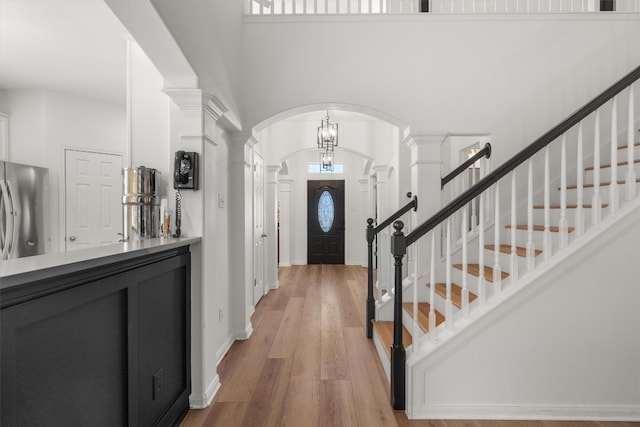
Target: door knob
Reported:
[(72, 238)]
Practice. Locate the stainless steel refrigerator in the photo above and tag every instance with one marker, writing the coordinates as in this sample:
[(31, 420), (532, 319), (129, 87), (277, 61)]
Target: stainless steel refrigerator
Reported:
[(23, 196)]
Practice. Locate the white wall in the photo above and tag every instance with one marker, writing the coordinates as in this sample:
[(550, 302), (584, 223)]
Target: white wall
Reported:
[(566, 346), (149, 120), (510, 76), (210, 37), (43, 124)]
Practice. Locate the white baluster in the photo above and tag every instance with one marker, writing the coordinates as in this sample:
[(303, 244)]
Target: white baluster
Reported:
[(630, 181), (531, 248), (596, 198), (474, 202), (448, 303), (514, 224), (564, 223), (481, 285), (547, 208), (579, 179), (614, 188), (315, 7), (433, 335), (485, 169), (465, 260), (497, 270)]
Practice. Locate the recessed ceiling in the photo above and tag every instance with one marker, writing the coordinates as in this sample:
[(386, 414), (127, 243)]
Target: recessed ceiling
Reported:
[(70, 46)]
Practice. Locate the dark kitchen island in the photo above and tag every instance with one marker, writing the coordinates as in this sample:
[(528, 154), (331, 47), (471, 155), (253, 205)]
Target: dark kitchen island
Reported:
[(98, 337)]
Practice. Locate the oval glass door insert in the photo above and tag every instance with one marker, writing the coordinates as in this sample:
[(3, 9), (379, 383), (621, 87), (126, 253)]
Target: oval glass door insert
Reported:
[(326, 211)]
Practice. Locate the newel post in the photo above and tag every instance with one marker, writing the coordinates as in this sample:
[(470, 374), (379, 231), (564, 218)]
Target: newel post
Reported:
[(398, 355), (371, 304)]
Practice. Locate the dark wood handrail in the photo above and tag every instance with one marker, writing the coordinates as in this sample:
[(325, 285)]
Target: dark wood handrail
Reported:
[(413, 204), (522, 156), (486, 151)]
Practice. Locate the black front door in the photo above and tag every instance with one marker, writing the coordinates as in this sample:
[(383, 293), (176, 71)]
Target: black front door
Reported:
[(325, 222)]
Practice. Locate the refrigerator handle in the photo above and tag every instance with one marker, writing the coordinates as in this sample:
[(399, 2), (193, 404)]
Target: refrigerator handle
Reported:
[(8, 214)]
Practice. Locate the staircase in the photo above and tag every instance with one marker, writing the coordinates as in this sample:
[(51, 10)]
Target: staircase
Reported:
[(536, 221)]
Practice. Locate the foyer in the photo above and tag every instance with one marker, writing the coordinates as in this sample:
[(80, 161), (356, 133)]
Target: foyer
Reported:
[(309, 363)]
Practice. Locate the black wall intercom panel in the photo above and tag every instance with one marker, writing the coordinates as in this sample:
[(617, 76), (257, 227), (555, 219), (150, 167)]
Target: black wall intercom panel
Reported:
[(185, 172)]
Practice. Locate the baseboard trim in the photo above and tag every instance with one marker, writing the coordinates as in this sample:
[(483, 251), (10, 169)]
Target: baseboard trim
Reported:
[(628, 413), (274, 286), (224, 349), (204, 400)]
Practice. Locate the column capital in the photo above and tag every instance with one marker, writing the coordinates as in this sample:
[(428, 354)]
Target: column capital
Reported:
[(185, 99), (382, 173), (425, 147), (425, 138), (272, 174)]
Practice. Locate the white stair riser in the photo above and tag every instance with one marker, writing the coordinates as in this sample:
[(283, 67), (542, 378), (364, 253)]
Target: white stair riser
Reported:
[(440, 303), (522, 237), (504, 260), (472, 281), (605, 173), (407, 321), (587, 193), (554, 216)]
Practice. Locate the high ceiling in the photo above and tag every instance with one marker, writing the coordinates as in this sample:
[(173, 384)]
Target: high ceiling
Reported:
[(70, 46)]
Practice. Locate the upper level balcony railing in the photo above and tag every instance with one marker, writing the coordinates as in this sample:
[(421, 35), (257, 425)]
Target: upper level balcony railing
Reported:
[(369, 7)]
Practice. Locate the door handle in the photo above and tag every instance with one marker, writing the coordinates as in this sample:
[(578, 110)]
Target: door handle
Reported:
[(263, 236), (72, 238)]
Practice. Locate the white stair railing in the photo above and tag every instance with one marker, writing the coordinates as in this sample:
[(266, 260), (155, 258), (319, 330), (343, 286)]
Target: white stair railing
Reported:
[(533, 230), (390, 7)]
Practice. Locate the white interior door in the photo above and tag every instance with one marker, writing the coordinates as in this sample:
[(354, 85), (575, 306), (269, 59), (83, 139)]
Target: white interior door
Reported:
[(258, 228), (93, 198)]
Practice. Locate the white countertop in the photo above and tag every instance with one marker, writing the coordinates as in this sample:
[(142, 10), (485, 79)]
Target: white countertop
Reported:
[(15, 271)]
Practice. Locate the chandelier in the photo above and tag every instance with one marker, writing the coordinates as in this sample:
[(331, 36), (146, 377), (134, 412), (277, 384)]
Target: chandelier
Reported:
[(326, 161), (327, 134)]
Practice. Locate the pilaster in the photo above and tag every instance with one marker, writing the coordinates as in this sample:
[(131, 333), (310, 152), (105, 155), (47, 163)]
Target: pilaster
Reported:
[(425, 183), (284, 198), (383, 193), (271, 227)]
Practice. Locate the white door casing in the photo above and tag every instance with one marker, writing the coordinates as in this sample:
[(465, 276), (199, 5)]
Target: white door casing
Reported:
[(258, 228), (93, 202)]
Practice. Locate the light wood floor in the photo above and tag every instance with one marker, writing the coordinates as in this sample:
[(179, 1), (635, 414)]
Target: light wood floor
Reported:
[(309, 363)]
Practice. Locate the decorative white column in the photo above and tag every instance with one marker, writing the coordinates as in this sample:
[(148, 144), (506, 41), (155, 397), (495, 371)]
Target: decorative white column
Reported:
[(284, 198), (241, 233), (271, 227), (425, 183), (363, 200), (383, 193)]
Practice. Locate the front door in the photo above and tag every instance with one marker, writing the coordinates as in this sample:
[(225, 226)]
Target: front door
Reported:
[(93, 199), (325, 222)]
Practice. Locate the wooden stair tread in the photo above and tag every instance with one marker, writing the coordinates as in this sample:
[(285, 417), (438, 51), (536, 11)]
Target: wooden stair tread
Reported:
[(586, 206), (384, 330), (602, 184), (606, 166), (474, 269), (506, 249), (456, 294), (423, 314), (553, 228), (622, 147)]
